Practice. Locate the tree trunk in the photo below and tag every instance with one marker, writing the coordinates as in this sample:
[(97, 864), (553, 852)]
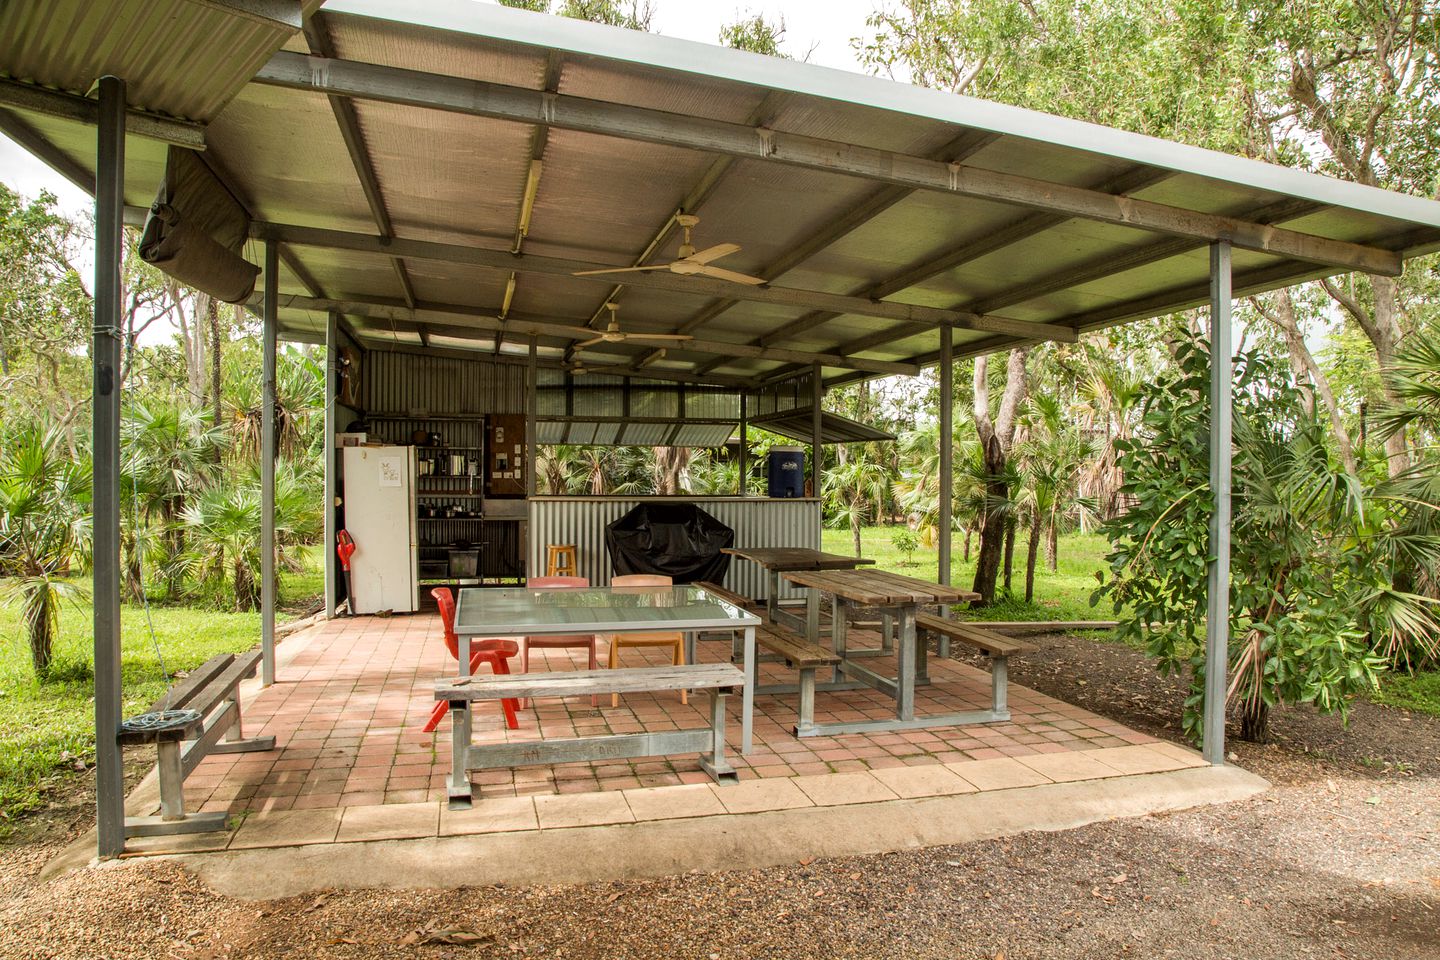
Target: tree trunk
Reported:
[(212, 316), (1302, 362), (966, 553), (1052, 545), (855, 529), (1255, 723), (995, 439), (1032, 553), (40, 627), (1009, 553)]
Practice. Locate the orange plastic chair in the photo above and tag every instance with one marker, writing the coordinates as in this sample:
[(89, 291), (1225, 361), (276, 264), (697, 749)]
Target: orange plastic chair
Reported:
[(564, 641), (493, 650), (675, 641)]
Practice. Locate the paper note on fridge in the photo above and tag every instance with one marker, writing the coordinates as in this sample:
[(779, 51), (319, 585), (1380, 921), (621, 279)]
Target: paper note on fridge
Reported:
[(392, 472)]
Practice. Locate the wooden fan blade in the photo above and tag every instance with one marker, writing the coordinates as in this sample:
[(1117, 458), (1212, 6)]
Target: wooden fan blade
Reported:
[(720, 273), (658, 336), (714, 253), (592, 273), (589, 343)]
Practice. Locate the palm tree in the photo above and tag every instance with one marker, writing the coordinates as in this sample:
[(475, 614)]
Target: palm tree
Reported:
[(44, 526), (855, 492), (169, 454), (224, 523)]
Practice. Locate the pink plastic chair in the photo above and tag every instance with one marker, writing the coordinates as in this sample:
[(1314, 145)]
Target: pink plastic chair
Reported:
[(493, 650), (675, 641), (564, 641)]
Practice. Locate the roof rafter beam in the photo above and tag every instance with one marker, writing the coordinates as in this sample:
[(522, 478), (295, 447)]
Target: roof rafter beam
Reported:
[(318, 37), (958, 149), (67, 106), (1027, 226), (478, 98), (1281, 210), (692, 285), (1172, 301), (488, 320)]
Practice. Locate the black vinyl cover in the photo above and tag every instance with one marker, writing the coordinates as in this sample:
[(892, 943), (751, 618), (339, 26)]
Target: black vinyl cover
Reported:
[(676, 539)]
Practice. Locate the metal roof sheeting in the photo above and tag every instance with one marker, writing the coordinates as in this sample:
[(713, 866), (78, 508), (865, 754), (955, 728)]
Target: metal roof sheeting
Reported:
[(456, 178)]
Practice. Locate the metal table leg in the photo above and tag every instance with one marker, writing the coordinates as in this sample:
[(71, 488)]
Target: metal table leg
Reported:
[(747, 699), (905, 681)]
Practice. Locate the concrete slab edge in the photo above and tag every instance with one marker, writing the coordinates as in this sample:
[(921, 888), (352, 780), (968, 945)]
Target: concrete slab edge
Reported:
[(728, 842)]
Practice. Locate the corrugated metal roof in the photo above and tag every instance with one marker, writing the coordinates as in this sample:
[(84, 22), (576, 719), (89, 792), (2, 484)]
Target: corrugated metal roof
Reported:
[(451, 178), (799, 425)]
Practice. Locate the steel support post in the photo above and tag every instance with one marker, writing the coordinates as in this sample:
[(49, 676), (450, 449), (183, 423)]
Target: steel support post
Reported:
[(105, 564), (744, 447), (817, 397), (267, 464), (332, 333), (1217, 619), (531, 448), (947, 452)]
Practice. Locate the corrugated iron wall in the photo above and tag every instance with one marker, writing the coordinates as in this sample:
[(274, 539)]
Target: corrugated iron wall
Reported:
[(408, 384), (581, 521)]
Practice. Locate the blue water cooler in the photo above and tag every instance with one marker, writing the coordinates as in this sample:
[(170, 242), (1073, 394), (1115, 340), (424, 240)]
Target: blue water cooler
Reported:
[(787, 472)]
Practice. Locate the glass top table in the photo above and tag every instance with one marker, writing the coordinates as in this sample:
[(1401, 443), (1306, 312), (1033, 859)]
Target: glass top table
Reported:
[(523, 611)]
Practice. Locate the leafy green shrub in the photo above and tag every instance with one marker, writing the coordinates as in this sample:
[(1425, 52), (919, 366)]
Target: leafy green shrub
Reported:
[(905, 541), (1307, 573)]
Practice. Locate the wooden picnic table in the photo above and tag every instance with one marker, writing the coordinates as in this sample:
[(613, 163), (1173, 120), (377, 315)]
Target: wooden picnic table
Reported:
[(778, 560), (901, 597)]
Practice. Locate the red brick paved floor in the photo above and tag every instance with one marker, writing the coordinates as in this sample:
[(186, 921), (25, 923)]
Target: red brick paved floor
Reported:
[(348, 710)]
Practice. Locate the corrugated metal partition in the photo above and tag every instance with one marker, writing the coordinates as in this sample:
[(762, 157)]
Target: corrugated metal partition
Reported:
[(582, 520), (408, 384)]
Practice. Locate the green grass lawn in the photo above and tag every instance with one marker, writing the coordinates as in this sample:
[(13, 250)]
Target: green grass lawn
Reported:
[(1062, 595), (47, 728)]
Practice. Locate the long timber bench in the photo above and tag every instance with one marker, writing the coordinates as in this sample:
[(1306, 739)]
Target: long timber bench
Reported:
[(719, 679), (802, 655), (997, 648), (211, 694)]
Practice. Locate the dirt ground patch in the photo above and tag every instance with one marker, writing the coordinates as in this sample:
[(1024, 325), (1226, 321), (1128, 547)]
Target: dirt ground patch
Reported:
[(1341, 859)]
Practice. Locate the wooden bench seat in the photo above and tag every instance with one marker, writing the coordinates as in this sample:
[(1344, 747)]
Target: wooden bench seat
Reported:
[(212, 692), (718, 679), (804, 656), (993, 645), (729, 596)]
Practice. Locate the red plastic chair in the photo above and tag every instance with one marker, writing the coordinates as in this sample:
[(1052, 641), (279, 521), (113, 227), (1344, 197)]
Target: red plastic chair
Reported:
[(494, 651), (564, 641)]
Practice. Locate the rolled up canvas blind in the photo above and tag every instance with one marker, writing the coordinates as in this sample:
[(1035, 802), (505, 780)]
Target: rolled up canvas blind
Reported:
[(196, 229)]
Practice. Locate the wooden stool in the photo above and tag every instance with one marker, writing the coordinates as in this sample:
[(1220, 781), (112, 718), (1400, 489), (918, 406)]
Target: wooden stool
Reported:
[(560, 561)]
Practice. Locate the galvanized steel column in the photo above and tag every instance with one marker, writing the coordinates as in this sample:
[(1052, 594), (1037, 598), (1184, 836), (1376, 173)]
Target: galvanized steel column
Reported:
[(947, 452), (744, 490), (105, 566), (817, 396), (531, 401), (1217, 619), (332, 332), (267, 465)]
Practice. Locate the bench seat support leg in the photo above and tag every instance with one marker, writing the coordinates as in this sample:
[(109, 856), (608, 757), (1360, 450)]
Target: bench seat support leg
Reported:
[(805, 726), (999, 685), (458, 786), (172, 781), (713, 760)]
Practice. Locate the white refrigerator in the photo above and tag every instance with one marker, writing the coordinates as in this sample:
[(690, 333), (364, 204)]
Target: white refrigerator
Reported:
[(380, 518)]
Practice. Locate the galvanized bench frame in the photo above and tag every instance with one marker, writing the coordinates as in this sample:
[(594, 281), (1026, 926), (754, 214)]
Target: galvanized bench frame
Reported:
[(719, 680), (212, 689)]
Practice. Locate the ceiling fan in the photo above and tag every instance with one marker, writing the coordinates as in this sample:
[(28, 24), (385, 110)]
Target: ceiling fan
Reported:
[(613, 333), (690, 262)]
